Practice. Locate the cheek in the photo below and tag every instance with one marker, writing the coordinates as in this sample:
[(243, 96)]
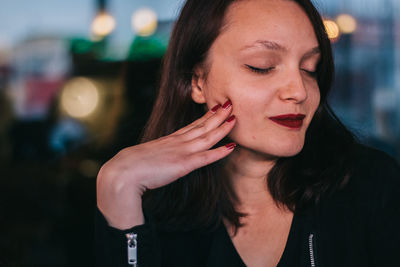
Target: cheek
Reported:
[(313, 95), (315, 99), (215, 87), (225, 81), (219, 88), (247, 93), (249, 103)]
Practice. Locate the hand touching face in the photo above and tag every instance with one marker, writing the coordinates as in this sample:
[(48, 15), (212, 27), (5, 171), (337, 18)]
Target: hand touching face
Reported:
[(264, 61)]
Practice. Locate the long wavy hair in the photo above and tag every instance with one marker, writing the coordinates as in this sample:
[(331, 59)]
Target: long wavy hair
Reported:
[(205, 196)]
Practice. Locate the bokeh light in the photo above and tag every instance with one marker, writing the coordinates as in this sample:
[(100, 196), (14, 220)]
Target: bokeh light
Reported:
[(332, 29), (347, 24), (89, 168), (79, 97), (103, 24), (144, 22)]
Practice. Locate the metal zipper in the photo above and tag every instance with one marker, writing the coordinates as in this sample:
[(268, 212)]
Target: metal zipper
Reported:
[(132, 249), (311, 248)]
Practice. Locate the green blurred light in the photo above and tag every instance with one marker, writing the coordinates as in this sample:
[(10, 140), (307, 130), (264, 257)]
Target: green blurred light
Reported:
[(81, 46), (144, 48)]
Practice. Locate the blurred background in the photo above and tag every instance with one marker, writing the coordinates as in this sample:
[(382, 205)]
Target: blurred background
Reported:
[(77, 83)]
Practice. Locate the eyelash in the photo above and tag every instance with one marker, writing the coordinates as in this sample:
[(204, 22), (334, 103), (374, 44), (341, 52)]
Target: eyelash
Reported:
[(258, 70), (267, 70), (312, 74)]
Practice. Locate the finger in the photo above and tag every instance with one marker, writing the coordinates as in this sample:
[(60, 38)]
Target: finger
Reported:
[(209, 139), (207, 157), (205, 117), (211, 123)]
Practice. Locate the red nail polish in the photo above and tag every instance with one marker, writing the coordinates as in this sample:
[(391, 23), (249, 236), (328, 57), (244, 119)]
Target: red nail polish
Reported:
[(231, 118), (230, 146), (227, 104), (215, 108)]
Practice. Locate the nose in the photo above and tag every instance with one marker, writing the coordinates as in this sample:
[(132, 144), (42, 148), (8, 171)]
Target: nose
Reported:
[(294, 88)]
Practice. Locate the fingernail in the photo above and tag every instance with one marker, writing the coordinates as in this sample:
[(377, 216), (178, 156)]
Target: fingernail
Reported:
[(230, 146), (231, 118), (227, 104), (214, 109)]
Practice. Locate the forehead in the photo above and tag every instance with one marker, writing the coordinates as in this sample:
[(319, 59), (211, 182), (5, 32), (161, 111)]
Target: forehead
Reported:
[(281, 21)]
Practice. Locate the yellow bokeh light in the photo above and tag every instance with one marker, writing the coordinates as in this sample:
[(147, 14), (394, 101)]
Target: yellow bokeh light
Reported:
[(79, 97), (89, 168), (103, 24), (144, 22), (347, 24), (332, 29)]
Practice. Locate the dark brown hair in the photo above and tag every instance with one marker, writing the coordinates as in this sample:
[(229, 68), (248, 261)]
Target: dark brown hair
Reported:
[(205, 196)]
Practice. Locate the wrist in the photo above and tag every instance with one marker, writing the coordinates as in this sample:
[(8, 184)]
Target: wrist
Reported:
[(120, 200)]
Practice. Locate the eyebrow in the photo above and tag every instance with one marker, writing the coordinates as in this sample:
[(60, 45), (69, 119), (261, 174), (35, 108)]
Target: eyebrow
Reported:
[(266, 44), (312, 52), (270, 45)]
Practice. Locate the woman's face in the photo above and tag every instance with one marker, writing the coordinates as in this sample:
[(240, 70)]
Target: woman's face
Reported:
[(264, 62)]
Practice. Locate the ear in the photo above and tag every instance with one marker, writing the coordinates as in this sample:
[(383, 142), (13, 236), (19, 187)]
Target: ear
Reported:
[(198, 87)]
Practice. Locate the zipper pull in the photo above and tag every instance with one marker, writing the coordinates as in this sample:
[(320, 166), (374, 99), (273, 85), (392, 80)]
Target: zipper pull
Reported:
[(311, 249), (132, 249)]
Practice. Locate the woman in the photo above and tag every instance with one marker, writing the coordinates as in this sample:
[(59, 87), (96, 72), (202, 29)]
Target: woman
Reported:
[(266, 175)]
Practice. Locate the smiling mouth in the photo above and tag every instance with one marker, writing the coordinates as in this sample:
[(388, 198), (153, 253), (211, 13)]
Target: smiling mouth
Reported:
[(293, 121)]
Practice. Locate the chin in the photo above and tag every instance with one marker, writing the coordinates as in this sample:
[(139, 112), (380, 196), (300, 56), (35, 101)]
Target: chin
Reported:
[(286, 147), (290, 152), (284, 150), (274, 147), (275, 150)]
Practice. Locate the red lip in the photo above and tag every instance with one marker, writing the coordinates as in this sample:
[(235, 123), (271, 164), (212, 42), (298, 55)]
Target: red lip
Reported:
[(293, 121)]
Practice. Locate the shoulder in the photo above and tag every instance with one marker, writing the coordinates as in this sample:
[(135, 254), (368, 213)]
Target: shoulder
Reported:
[(360, 221), (374, 168), (374, 158), (374, 181)]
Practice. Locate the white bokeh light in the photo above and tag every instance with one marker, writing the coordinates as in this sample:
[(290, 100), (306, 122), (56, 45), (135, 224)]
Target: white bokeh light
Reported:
[(103, 24), (347, 24), (144, 22), (79, 97)]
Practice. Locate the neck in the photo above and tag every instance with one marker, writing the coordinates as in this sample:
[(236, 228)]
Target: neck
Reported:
[(248, 173)]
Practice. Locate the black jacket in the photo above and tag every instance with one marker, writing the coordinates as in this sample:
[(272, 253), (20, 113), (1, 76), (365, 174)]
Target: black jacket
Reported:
[(357, 226)]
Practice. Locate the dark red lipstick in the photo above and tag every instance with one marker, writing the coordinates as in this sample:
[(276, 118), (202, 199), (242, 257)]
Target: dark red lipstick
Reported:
[(293, 121)]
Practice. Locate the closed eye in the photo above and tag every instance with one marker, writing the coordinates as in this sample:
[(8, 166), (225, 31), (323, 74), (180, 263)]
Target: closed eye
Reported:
[(312, 74), (259, 70)]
